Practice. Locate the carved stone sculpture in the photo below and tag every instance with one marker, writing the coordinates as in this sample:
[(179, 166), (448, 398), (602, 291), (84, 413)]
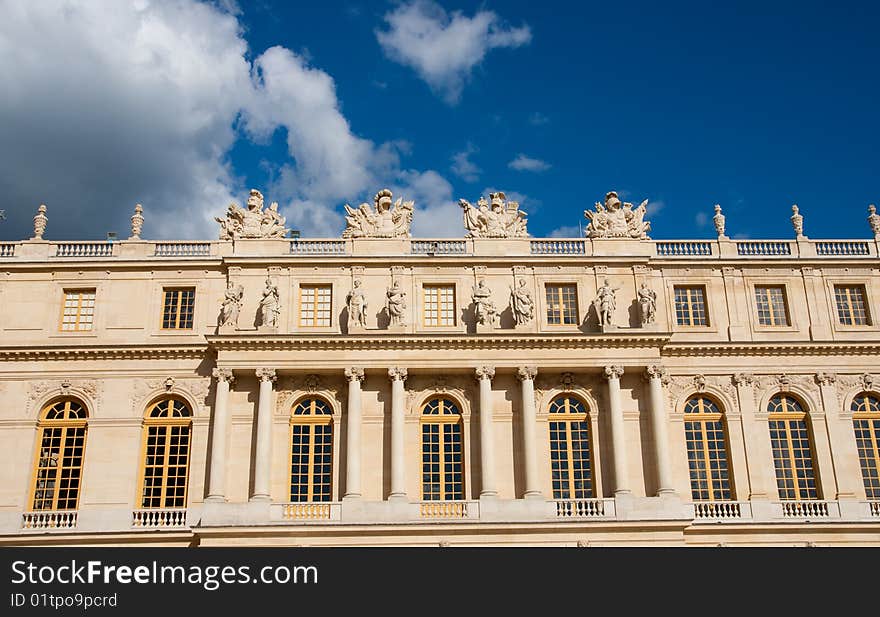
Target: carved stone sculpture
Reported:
[(521, 304), (40, 221), (252, 222), (270, 305), (231, 308), (647, 304), (497, 218), (484, 307), (137, 222), (357, 306), (395, 304), (618, 220), (605, 303), (797, 221), (718, 219), (385, 221), (874, 220)]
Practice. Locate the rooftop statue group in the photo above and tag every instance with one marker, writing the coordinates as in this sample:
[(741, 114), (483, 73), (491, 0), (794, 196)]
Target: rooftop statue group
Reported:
[(614, 219), (253, 221), (497, 218)]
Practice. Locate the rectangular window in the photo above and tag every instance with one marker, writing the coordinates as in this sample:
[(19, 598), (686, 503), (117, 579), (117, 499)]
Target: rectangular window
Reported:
[(690, 306), (562, 305), (78, 313), (772, 307), (314, 306), (852, 310), (439, 305), (177, 308)]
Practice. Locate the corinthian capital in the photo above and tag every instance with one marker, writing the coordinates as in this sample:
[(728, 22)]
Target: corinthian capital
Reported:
[(655, 371), (353, 373), (396, 372), (223, 374), (613, 371), (266, 374), (524, 373), (485, 372), (826, 379)]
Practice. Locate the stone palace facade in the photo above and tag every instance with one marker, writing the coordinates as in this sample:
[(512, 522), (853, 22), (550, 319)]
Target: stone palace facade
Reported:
[(497, 389)]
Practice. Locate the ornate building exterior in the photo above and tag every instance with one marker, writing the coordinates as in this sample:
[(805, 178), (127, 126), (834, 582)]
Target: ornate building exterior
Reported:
[(495, 389)]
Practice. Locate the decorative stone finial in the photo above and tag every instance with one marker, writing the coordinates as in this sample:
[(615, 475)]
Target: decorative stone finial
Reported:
[(614, 219), (40, 221), (382, 220), (874, 221), (497, 218), (718, 219), (797, 221), (137, 222)]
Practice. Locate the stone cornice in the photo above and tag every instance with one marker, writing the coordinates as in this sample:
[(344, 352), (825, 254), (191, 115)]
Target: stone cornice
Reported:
[(809, 348), (437, 342), (193, 351)]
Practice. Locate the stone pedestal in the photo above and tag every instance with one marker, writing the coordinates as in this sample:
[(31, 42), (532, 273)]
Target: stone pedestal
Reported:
[(485, 329), (398, 328), (609, 329), (227, 329), (354, 328), (267, 329)]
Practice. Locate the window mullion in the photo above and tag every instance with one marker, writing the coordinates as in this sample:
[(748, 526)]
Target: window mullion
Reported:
[(310, 469), (163, 489)]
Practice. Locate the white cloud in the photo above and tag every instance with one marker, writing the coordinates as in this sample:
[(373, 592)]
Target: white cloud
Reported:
[(569, 231), (111, 103), (442, 48), (437, 213), (465, 168), (538, 119), (701, 219), (525, 163)]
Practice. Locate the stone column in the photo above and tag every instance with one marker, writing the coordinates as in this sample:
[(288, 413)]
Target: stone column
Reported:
[(263, 461), (398, 460), (487, 440), (526, 375), (842, 440), (618, 439), (354, 375), (217, 486), (657, 376)]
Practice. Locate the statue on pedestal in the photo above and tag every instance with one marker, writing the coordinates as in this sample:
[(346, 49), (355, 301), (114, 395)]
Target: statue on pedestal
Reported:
[(357, 306), (231, 305), (484, 307), (521, 304), (395, 304), (605, 303), (647, 304), (270, 305)]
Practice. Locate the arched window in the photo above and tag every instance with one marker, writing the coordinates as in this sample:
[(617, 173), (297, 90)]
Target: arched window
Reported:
[(167, 433), (311, 451), (58, 464), (792, 452), (866, 422), (442, 450), (707, 450), (571, 461)]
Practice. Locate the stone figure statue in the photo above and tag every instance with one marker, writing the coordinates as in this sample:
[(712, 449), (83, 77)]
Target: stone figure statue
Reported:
[(385, 221), (647, 303), (252, 222), (521, 304), (395, 304), (605, 303), (357, 306), (231, 307), (270, 305), (614, 219), (497, 218), (484, 307)]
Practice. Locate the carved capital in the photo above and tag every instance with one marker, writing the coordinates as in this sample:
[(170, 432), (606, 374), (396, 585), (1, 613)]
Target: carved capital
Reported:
[(223, 374), (613, 371), (744, 379), (524, 373), (484, 372), (826, 379), (266, 374), (655, 371), (354, 373), (396, 372)]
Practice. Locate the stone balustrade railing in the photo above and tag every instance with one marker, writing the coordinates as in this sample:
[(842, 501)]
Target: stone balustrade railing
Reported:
[(7, 250), (303, 511), (318, 247), (874, 508), (84, 249), (557, 247), (584, 508), (49, 519), (764, 248), (183, 249), (438, 247), (683, 248), (808, 509), (444, 509), (159, 518), (721, 510), (843, 248)]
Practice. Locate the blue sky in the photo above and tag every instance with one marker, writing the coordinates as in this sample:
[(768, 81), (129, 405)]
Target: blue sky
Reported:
[(182, 106)]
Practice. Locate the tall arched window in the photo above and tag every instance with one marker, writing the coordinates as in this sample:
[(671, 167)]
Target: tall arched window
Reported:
[(707, 450), (792, 452), (571, 461), (442, 451), (167, 432), (58, 464), (866, 422), (311, 451)]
